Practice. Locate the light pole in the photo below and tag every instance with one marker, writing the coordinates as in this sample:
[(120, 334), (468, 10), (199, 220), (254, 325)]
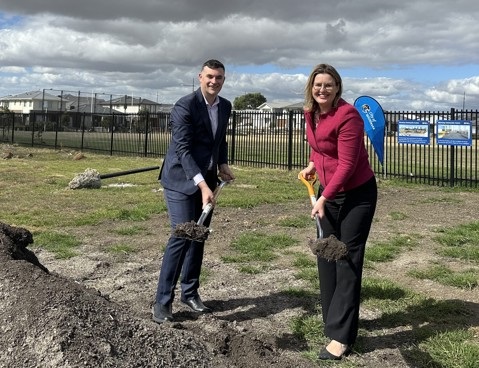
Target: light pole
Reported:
[(190, 85), (43, 107), (43, 101)]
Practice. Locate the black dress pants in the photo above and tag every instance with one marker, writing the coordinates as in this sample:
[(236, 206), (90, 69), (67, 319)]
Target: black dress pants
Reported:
[(348, 217)]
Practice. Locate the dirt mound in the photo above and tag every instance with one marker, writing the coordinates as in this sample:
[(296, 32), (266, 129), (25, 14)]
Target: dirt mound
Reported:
[(52, 321)]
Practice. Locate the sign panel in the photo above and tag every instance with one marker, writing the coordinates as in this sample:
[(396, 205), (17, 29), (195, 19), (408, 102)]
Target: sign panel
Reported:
[(413, 132), (454, 132)]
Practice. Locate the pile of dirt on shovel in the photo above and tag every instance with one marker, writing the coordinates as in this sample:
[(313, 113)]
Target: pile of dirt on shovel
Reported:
[(51, 321)]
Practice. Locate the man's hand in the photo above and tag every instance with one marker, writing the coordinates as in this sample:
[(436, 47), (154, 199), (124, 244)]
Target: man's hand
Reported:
[(206, 193), (225, 173)]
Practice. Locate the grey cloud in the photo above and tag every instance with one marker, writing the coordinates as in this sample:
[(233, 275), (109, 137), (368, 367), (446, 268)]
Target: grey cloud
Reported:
[(151, 45), (191, 10), (336, 33)]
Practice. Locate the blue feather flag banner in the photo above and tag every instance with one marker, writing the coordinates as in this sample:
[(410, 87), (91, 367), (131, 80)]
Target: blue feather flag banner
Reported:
[(374, 123)]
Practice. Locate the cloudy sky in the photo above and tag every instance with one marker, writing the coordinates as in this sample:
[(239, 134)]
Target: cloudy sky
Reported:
[(409, 55)]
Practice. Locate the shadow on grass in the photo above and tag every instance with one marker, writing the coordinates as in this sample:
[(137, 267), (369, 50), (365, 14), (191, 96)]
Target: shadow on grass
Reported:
[(403, 329), (415, 324), (245, 309)]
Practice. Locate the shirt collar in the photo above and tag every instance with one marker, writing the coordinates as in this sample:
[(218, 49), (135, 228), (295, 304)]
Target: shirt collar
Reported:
[(216, 102)]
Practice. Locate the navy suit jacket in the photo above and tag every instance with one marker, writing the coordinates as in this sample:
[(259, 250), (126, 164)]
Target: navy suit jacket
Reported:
[(192, 143)]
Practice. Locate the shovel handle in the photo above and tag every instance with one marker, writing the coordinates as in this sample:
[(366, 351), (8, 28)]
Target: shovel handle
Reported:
[(209, 206), (205, 213), (309, 182), (318, 226)]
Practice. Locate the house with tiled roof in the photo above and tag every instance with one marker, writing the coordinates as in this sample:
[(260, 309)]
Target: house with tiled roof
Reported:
[(280, 114), (25, 103), (42, 105), (280, 107), (133, 105)]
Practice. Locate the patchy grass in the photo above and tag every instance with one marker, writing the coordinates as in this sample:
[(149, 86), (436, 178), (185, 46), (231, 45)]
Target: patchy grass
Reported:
[(130, 230), (398, 216), (302, 221), (121, 249), (464, 279), (460, 242), (387, 251), (258, 247), (60, 244)]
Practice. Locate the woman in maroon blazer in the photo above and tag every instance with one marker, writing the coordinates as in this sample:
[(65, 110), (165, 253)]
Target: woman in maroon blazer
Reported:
[(345, 205)]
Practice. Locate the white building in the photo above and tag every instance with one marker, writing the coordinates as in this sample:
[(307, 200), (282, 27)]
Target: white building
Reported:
[(25, 103)]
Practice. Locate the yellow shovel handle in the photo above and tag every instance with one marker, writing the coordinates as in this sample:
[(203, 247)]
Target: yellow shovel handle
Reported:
[(309, 182)]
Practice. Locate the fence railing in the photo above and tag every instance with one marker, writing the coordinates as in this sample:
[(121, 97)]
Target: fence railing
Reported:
[(258, 139)]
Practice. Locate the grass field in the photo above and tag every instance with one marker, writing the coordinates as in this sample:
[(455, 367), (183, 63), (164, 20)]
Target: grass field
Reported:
[(34, 194)]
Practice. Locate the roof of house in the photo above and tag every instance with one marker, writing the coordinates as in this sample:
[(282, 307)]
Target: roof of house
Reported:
[(32, 95), (129, 100), (280, 105), (295, 106)]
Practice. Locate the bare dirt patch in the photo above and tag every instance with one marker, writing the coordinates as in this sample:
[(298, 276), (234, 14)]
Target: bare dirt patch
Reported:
[(94, 310)]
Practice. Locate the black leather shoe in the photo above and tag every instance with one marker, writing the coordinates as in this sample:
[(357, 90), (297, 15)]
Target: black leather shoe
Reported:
[(326, 355), (162, 313), (196, 305)]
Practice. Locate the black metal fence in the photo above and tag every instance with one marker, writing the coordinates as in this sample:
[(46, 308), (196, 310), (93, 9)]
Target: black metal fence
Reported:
[(258, 139)]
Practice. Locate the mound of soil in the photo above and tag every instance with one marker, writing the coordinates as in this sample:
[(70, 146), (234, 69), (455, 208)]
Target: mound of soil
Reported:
[(49, 320)]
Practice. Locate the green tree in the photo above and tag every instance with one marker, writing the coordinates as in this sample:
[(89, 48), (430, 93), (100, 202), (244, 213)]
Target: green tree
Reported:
[(248, 101)]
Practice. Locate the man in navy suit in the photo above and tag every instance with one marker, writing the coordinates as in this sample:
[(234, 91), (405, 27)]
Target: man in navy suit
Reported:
[(196, 156)]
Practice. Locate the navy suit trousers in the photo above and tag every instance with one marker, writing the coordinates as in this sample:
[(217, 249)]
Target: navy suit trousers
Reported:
[(182, 257)]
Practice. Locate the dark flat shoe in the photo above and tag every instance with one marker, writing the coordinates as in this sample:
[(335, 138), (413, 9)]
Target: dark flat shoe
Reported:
[(326, 355)]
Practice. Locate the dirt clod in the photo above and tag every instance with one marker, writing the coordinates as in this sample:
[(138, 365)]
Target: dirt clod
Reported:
[(192, 231), (330, 248)]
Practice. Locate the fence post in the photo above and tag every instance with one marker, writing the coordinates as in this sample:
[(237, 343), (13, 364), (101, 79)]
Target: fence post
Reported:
[(147, 128), (33, 131), (13, 127), (290, 141), (57, 126), (112, 137), (233, 140), (453, 151)]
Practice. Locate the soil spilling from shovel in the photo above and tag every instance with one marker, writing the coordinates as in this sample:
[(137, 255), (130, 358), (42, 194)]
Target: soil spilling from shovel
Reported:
[(330, 248), (192, 231), (196, 231)]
